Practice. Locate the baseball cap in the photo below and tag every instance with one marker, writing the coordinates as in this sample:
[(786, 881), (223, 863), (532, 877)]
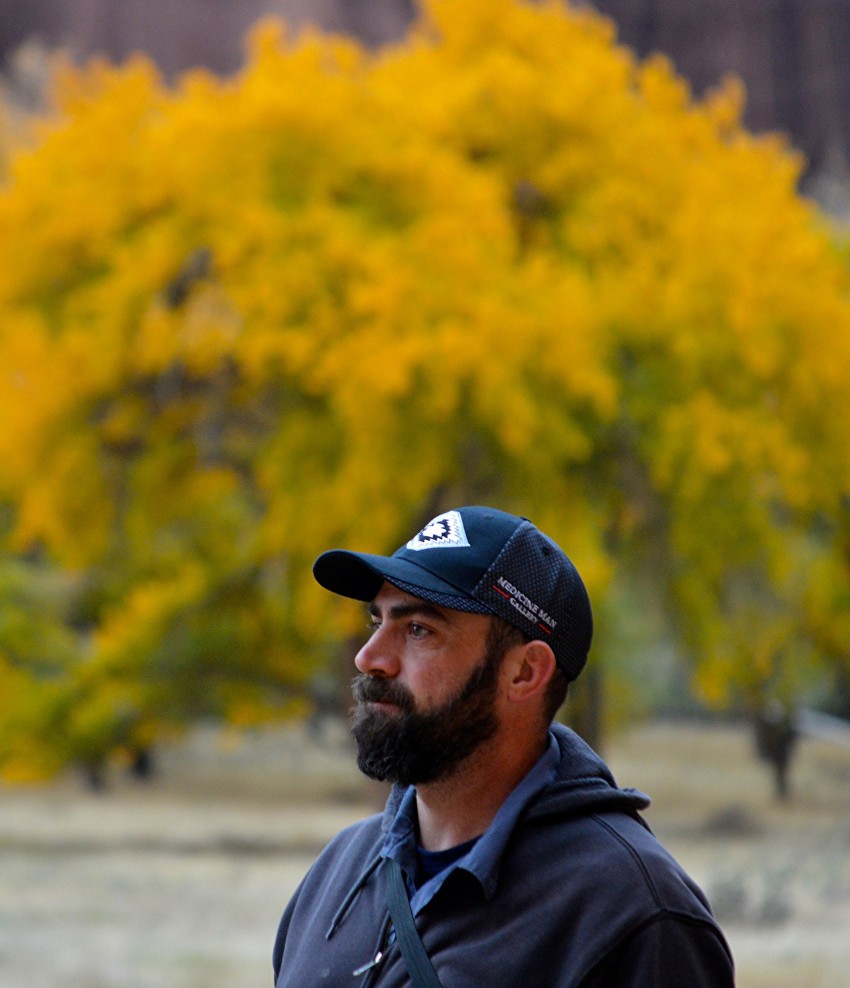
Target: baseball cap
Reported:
[(484, 561)]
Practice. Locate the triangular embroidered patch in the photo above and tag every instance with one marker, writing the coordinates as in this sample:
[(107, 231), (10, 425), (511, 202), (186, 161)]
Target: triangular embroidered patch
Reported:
[(443, 532)]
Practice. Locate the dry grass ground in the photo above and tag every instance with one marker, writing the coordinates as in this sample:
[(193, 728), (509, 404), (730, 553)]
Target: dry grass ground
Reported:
[(179, 883), (778, 876)]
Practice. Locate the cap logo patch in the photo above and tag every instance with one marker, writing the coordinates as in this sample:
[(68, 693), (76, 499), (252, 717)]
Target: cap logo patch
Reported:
[(443, 532)]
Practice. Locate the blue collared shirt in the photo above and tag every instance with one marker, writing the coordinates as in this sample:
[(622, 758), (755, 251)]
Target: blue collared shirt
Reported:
[(482, 860)]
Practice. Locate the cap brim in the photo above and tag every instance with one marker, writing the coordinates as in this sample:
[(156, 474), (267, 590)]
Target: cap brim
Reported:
[(360, 576)]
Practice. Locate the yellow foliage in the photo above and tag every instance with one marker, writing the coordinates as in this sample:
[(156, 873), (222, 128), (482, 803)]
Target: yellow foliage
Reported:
[(141, 616), (245, 319)]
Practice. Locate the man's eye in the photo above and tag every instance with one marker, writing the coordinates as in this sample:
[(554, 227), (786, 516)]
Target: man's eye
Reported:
[(372, 625), (418, 630)]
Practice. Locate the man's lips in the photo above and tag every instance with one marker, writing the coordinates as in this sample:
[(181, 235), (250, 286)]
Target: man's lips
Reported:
[(387, 706)]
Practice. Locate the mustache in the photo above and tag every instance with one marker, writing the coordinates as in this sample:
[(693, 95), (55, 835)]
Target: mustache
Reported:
[(366, 689)]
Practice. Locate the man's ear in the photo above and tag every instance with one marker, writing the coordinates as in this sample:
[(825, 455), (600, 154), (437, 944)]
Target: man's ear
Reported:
[(531, 667)]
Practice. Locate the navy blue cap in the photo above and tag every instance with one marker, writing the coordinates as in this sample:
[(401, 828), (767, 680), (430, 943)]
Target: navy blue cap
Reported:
[(484, 561)]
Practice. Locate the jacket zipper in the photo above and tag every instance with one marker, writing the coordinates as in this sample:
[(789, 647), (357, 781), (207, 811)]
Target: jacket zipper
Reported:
[(374, 965)]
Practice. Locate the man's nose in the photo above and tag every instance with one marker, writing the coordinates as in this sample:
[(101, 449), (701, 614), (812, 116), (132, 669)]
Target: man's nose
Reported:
[(378, 656)]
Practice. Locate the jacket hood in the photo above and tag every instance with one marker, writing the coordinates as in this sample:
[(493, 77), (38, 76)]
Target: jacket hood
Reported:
[(582, 785)]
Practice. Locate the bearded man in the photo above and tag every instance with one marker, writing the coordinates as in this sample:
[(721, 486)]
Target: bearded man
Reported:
[(506, 854)]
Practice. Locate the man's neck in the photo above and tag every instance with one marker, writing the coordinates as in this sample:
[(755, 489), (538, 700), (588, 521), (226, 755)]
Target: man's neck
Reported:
[(454, 810)]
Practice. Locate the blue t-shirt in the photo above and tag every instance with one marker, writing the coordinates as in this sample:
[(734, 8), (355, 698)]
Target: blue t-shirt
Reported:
[(431, 863)]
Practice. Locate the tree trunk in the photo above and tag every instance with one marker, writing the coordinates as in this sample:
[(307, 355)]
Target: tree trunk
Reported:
[(584, 711)]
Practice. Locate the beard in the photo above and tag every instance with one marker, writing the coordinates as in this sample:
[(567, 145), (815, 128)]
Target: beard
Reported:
[(414, 747)]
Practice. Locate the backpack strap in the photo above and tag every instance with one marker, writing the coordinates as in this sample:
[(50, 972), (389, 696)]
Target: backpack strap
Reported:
[(419, 966)]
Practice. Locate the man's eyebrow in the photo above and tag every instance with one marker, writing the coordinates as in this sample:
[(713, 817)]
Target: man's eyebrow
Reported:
[(414, 608)]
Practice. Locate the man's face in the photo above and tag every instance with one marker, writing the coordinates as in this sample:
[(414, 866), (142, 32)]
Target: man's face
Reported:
[(427, 690)]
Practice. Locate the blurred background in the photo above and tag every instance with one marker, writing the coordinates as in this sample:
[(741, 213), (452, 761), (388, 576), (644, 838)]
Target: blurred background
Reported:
[(279, 276)]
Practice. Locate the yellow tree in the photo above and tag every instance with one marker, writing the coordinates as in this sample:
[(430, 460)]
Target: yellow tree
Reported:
[(243, 320)]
